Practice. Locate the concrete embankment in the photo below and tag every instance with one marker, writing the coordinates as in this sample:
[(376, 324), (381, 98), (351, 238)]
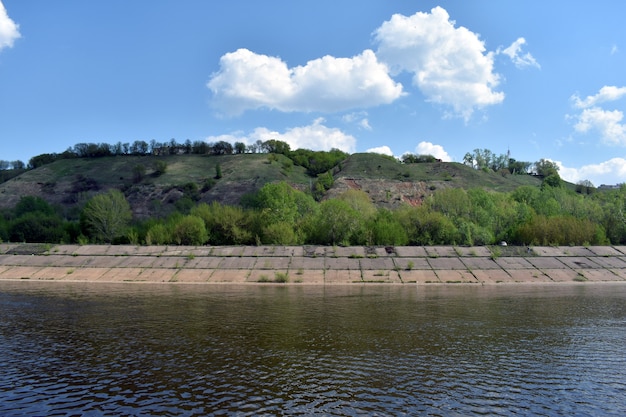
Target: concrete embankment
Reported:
[(312, 264)]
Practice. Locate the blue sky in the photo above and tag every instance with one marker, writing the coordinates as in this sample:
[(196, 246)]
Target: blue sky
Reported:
[(541, 79)]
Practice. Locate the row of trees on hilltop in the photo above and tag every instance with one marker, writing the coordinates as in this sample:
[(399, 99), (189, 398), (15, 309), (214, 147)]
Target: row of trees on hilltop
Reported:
[(280, 214), (316, 162)]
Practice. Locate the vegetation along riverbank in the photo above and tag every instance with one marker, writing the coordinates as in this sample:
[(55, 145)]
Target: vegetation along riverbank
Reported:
[(267, 194)]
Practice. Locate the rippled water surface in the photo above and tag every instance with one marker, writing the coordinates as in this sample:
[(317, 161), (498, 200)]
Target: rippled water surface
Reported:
[(132, 349)]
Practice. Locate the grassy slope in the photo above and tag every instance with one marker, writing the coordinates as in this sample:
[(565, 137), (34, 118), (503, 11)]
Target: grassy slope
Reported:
[(70, 182), (373, 166)]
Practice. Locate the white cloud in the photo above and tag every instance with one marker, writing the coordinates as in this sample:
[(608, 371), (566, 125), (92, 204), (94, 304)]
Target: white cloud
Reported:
[(606, 93), (593, 118), (359, 118), (614, 49), (514, 51), (606, 122), (247, 81), (427, 148), (608, 172), (449, 64), (316, 137), (384, 150), (9, 30)]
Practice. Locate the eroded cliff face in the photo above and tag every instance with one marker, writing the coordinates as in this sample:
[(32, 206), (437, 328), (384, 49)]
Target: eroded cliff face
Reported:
[(388, 193)]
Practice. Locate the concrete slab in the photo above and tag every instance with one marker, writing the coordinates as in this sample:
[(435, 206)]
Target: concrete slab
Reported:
[(605, 251), (419, 276), (411, 263), (228, 250), (528, 275), (342, 276), (18, 272), (229, 276), (139, 261), (411, 251), (122, 274), (547, 262), (237, 263), (621, 249), (343, 264), (577, 251), (157, 275), (480, 263), (377, 263), (456, 276), (479, 251), (492, 276), (561, 275), (350, 252), (436, 251), (307, 276), (446, 263), (620, 274), (87, 274), (610, 261), (307, 263), (53, 273), (599, 275), (272, 262), (168, 262), (547, 250), (578, 262), (204, 262), (381, 276), (514, 262), (193, 275)]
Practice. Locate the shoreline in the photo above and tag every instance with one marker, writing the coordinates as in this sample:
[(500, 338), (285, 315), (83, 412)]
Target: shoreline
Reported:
[(312, 265)]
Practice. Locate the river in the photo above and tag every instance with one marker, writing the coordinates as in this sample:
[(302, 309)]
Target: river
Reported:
[(456, 350)]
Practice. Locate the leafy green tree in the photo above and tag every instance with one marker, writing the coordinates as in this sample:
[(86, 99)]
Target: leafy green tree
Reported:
[(228, 225), (32, 204), (38, 227), (386, 229), (106, 216), (426, 227), (336, 223), (189, 230), (545, 168), (158, 234)]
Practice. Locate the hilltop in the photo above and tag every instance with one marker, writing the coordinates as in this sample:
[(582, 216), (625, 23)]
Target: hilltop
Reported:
[(227, 178)]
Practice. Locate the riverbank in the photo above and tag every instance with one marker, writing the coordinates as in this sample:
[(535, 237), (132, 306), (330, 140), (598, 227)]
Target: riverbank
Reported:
[(319, 265)]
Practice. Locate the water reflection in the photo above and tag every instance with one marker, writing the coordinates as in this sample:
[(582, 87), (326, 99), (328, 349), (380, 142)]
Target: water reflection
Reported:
[(377, 350)]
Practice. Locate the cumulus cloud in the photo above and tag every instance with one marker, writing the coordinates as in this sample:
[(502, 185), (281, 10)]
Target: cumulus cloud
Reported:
[(316, 137), (384, 150), (247, 81), (606, 122), (606, 93), (521, 60), (593, 118), (608, 172), (9, 30), (450, 65), (428, 148)]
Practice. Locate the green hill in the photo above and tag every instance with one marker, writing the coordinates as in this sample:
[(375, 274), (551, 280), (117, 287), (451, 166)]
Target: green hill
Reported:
[(193, 178)]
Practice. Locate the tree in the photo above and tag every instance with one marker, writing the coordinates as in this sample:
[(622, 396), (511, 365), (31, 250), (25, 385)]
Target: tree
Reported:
[(190, 230), (545, 168), (107, 215), (240, 147)]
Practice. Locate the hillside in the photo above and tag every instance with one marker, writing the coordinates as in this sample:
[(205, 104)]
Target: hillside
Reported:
[(191, 178)]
